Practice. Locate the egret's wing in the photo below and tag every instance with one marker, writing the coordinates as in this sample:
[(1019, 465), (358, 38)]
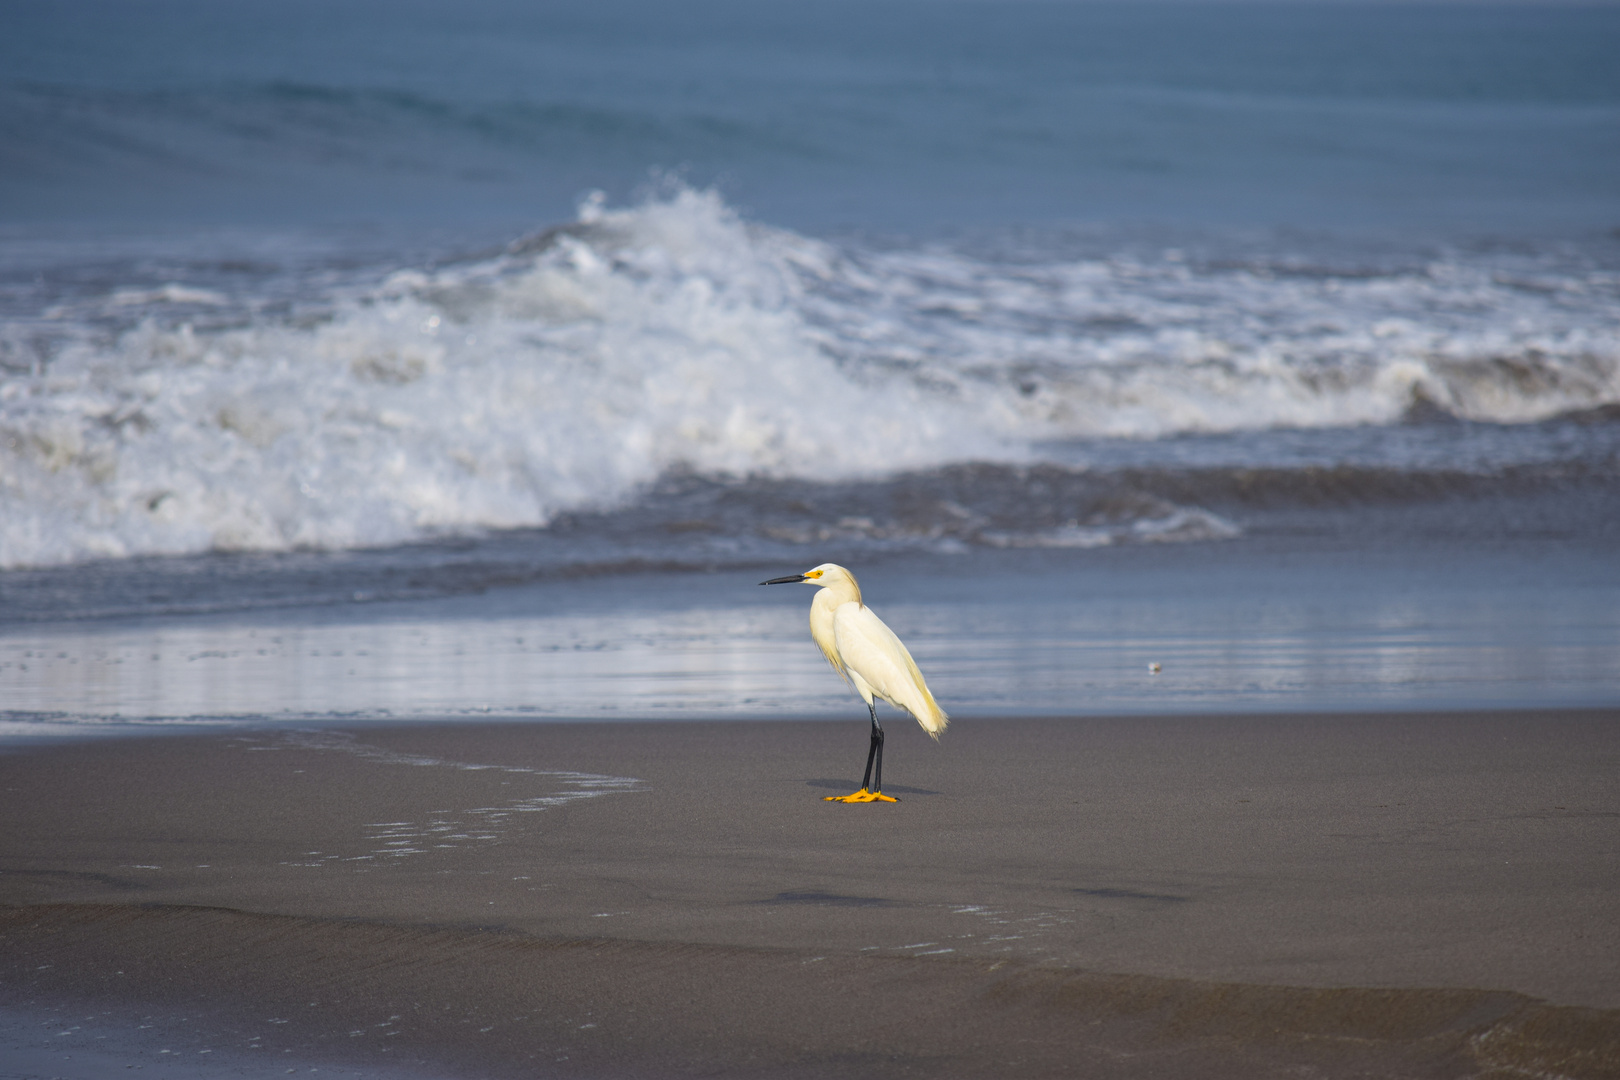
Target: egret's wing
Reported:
[(871, 650)]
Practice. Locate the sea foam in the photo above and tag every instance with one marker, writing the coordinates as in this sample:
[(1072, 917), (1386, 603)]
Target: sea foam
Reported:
[(484, 396), (573, 369)]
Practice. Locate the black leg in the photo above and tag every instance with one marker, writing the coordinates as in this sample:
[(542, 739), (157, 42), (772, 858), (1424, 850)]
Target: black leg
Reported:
[(872, 783), (877, 748), (873, 752)]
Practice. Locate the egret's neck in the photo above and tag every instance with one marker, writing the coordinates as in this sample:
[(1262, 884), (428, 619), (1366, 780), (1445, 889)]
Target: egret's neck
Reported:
[(839, 592)]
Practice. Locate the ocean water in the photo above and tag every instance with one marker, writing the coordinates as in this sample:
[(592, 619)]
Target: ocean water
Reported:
[(425, 360)]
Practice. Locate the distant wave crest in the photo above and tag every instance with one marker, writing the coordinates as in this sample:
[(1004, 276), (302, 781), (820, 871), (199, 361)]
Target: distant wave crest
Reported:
[(57, 133)]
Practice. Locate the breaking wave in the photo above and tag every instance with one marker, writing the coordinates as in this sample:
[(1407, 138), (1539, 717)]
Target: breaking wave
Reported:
[(574, 369)]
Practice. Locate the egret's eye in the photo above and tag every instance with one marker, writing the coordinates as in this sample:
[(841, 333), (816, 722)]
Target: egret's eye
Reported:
[(813, 574)]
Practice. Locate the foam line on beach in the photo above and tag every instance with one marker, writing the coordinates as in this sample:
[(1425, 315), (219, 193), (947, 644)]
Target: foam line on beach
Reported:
[(443, 829)]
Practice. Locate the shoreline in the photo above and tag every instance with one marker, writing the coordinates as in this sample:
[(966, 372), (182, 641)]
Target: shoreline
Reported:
[(1244, 896), (79, 729), (1279, 624)]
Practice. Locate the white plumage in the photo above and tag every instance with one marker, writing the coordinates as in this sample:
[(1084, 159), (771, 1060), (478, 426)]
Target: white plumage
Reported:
[(862, 649)]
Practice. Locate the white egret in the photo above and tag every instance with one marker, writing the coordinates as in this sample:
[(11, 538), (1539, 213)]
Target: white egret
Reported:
[(871, 659)]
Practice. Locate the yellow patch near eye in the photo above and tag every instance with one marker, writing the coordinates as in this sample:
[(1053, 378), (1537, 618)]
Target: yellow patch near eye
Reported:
[(813, 574)]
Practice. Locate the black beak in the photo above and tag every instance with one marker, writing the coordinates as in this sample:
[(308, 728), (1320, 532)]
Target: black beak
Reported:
[(795, 579)]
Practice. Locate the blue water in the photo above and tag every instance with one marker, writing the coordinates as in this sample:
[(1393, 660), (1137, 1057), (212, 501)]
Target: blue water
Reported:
[(418, 359), (894, 115)]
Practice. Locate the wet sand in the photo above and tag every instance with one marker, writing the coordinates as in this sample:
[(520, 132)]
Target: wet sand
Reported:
[(1388, 895)]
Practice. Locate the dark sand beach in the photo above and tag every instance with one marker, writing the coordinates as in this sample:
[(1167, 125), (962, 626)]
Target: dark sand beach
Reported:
[(1382, 895)]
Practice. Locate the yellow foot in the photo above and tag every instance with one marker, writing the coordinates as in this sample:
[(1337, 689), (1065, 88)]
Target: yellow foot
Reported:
[(860, 796)]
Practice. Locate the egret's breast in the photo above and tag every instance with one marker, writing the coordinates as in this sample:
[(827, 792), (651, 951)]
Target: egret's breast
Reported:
[(822, 617)]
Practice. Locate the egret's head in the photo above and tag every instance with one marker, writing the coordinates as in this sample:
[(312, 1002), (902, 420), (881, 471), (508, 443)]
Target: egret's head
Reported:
[(827, 575)]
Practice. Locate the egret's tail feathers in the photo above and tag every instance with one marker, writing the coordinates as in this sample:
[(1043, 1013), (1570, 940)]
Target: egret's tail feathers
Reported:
[(920, 701), (933, 719)]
